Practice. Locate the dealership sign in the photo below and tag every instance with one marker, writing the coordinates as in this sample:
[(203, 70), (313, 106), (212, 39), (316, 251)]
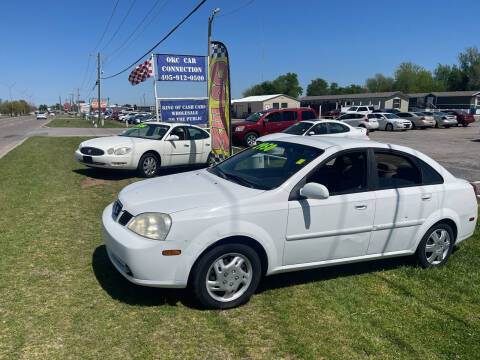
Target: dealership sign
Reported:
[(103, 103), (181, 68), (184, 111)]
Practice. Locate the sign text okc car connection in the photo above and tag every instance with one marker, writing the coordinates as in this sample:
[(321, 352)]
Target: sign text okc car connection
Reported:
[(181, 68)]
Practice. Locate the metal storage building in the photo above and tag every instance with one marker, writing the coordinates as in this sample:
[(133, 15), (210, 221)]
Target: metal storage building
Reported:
[(241, 108)]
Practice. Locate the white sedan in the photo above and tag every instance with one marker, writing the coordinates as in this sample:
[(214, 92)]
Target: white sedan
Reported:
[(299, 203), (148, 147), (392, 122), (331, 128), (41, 116)]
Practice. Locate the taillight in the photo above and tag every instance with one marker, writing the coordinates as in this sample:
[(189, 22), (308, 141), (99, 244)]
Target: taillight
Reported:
[(366, 119), (367, 132), (422, 118), (444, 118)]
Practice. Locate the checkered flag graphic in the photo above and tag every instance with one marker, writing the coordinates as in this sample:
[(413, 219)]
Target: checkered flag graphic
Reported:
[(218, 50), (141, 72)]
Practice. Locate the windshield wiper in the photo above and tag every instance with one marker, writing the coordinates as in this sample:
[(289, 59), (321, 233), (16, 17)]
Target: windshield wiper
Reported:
[(239, 179)]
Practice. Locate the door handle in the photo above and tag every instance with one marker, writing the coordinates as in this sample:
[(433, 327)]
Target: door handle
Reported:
[(186, 145), (361, 207), (426, 197)]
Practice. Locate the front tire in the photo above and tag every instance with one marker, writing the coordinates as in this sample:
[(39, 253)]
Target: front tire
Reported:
[(250, 139), (389, 127), (211, 160), (436, 246), (226, 276), (148, 165)]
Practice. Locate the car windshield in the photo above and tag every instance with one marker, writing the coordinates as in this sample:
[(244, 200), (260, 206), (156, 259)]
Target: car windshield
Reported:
[(255, 116), (391, 116), (147, 131), (267, 165), (298, 129)]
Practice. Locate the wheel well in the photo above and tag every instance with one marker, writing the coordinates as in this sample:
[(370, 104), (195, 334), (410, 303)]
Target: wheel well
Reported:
[(251, 131), (452, 224), (242, 240), (154, 153)]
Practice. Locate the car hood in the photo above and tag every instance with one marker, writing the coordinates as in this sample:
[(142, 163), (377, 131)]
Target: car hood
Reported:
[(108, 142), (243, 123), (179, 192)]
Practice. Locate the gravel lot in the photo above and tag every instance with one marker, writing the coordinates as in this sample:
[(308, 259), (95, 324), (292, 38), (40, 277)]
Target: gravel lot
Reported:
[(457, 148)]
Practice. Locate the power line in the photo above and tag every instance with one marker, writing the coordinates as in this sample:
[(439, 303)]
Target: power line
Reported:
[(138, 26), (158, 43), (237, 9), (106, 26), (119, 26)]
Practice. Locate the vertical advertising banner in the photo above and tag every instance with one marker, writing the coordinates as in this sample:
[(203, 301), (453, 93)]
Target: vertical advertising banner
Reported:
[(219, 100)]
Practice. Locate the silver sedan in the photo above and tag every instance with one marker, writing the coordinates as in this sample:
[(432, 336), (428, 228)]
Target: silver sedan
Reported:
[(442, 119)]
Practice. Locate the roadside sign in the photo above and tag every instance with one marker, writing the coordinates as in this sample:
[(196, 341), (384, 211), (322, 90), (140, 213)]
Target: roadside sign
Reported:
[(181, 68), (184, 111)]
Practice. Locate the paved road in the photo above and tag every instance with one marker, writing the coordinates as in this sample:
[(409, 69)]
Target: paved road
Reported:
[(15, 130), (457, 148)]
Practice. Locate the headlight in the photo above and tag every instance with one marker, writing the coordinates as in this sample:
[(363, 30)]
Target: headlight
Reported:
[(110, 151), (122, 150), (239, 128), (151, 225)]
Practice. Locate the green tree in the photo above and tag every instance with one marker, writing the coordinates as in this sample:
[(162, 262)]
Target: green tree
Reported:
[(284, 84), (469, 64), (380, 83), (317, 87), (412, 78), (43, 107)]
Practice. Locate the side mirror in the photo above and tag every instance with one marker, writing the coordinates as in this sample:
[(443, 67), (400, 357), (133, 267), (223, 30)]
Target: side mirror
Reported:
[(310, 133), (314, 191), (265, 120), (172, 138)]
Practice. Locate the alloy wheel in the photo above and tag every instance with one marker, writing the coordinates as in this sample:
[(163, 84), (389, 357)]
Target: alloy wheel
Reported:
[(437, 246), (149, 166)]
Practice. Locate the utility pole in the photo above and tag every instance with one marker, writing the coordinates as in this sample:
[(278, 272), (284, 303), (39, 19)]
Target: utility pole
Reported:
[(78, 100), (59, 103), (100, 115), (71, 101)]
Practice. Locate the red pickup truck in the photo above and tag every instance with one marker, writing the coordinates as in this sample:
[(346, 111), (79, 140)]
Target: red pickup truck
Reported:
[(268, 122)]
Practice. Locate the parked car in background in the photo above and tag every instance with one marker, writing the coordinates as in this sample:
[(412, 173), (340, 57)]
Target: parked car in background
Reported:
[(330, 128), (358, 109), (367, 121), (333, 113), (268, 122), (463, 118), (147, 148), (418, 119), (391, 122), (114, 116), (41, 115), (442, 119), (391, 111), (337, 200)]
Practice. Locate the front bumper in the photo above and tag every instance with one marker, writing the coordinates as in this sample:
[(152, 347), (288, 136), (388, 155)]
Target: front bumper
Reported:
[(139, 259), (107, 161), (402, 125)]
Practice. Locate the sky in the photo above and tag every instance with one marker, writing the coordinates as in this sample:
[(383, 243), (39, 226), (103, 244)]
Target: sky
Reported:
[(46, 45)]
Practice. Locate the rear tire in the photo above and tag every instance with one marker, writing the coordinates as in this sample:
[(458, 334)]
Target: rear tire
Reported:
[(436, 246), (465, 124), (148, 165), (224, 272)]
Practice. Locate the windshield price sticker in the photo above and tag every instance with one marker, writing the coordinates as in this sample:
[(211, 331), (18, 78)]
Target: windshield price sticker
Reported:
[(265, 146), (140, 126), (301, 161)]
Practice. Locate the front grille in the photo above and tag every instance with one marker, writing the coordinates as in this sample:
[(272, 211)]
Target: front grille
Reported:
[(87, 150), (117, 207), (125, 218)]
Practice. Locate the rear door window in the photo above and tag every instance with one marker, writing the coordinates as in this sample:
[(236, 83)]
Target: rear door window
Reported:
[(334, 128), (362, 108), (288, 115), (395, 171), (308, 115)]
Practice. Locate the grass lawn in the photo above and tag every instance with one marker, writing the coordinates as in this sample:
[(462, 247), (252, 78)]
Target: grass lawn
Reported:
[(61, 297), (76, 122)]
